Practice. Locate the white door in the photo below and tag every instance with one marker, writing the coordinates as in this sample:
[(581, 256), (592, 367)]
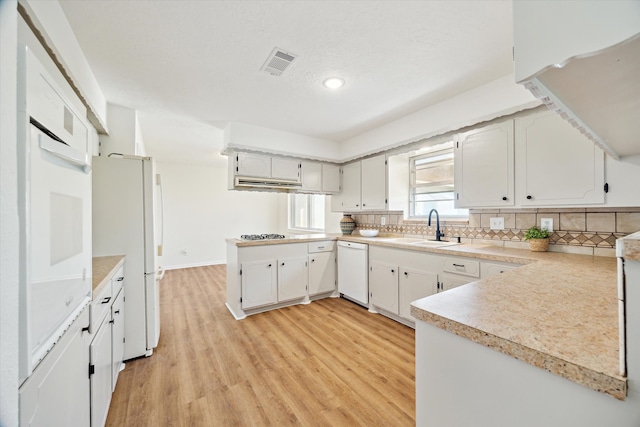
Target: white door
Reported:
[(284, 168), (383, 286), (249, 164), (101, 389), (259, 283), (414, 285), (322, 272), (374, 183), (293, 278), (483, 167), (117, 337), (555, 163)]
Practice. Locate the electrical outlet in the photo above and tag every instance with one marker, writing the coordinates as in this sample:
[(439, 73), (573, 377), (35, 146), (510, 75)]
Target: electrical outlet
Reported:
[(496, 223), (546, 224), (383, 220)]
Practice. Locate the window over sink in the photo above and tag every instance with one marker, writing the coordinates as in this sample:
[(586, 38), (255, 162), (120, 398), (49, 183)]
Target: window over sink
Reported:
[(431, 182), (306, 212)]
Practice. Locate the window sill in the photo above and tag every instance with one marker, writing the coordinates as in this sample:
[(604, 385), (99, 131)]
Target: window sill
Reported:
[(443, 219)]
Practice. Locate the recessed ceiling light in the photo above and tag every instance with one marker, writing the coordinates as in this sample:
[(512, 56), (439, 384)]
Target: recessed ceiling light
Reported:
[(333, 83)]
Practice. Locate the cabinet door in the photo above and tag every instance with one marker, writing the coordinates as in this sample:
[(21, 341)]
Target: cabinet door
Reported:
[(555, 163), (292, 278), (100, 354), (285, 168), (414, 285), (57, 392), (330, 178), (322, 272), (449, 282), (249, 164), (350, 195), (483, 167), (383, 286), (259, 283), (311, 176), (374, 183), (117, 337)]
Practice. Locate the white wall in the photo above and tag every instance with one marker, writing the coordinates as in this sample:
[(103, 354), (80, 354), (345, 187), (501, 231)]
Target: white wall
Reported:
[(122, 131), (9, 238), (200, 213)]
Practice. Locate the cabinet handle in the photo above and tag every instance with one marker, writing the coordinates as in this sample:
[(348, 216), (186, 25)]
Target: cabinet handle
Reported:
[(364, 204), (504, 198), (393, 271), (529, 197), (118, 311), (283, 264), (406, 274), (269, 265), (120, 279), (458, 265), (313, 260), (106, 300)]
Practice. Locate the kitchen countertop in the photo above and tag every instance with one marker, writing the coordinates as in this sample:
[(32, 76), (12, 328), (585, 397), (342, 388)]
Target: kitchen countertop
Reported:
[(103, 268), (558, 311)]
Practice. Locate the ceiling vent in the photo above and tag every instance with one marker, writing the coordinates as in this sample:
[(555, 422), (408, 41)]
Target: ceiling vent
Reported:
[(278, 62)]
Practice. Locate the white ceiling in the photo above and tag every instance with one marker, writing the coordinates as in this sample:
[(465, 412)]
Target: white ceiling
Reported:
[(199, 61)]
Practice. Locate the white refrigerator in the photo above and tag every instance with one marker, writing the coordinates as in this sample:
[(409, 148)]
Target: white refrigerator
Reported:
[(127, 220)]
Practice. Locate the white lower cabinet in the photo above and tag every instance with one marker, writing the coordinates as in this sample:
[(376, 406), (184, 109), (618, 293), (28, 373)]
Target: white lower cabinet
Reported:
[(259, 283), (415, 284), (101, 374), (57, 392), (292, 278), (383, 286), (322, 273), (117, 338)]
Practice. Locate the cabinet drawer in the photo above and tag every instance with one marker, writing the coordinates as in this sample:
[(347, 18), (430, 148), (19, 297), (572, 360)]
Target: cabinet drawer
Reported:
[(326, 246), (118, 281), (462, 266), (101, 306), (489, 270)]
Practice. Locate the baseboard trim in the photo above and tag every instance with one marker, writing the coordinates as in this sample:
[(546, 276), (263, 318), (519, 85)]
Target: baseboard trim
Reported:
[(197, 264)]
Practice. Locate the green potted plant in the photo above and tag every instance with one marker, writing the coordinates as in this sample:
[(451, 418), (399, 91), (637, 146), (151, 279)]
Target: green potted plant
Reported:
[(538, 239)]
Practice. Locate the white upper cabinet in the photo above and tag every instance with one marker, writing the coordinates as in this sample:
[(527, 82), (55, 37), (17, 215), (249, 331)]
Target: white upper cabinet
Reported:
[(350, 197), (249, 164), (364, 186), (374, 183), (330, 178), (320, 177), (483, 167), (555, 164), (311, 176), (285, 168)]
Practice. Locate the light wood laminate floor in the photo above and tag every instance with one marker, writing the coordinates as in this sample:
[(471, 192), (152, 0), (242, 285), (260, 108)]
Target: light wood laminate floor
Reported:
[(328, 363)]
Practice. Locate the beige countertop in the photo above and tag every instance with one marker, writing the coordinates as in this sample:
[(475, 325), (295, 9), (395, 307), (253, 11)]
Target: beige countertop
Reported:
[(103, 268), (558, 311)]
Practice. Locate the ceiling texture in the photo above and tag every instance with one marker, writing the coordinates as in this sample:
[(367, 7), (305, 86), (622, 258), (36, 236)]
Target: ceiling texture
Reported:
[(180, 62)]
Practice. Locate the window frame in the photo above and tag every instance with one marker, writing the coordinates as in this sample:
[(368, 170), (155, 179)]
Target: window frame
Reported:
[(291, 207), (414, 187)]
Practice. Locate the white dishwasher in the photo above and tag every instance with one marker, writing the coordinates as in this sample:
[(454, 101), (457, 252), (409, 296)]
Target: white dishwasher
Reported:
[(353, 271)]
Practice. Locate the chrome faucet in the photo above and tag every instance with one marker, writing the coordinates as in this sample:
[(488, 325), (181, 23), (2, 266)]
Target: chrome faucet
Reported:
[(439, 234)]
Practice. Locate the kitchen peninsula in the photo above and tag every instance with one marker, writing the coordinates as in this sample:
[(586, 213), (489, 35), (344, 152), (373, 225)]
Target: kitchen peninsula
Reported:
[(557, 312)]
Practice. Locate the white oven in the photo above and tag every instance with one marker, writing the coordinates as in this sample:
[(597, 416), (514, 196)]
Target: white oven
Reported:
[(55, 211)]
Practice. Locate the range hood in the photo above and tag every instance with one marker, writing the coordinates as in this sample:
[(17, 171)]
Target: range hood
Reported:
[(250, 182), (599, 94)]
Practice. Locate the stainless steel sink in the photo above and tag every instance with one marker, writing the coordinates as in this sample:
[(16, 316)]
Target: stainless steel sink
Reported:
[(404, 240), (433, 243)]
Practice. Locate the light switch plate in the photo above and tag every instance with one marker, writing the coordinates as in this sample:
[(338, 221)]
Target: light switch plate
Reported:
[(546, 224), (496, 223), (383, 220)]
